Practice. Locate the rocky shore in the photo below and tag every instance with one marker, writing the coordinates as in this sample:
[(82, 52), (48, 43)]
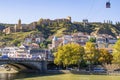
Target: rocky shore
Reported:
[(4, 69)]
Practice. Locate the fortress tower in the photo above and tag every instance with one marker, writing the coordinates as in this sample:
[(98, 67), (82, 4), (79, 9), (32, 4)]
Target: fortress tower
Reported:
[(19, 26), (69, 18)]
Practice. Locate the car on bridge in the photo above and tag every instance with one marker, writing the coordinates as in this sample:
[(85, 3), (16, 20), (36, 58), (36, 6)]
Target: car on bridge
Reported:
[(36, 57)]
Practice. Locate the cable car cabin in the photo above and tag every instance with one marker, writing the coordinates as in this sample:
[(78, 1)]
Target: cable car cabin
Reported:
[(107, 4)]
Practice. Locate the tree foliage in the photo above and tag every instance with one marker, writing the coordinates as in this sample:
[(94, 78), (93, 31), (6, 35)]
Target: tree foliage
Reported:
[(16, 42), (69, 54), (45, 43), (74, 53), (91, 53), (96, 56), (116, 52), (105, 56), (92, 39)]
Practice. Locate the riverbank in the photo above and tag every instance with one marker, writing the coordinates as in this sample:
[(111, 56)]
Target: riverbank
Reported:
[(59, 75), (6, 71), (70, 76)]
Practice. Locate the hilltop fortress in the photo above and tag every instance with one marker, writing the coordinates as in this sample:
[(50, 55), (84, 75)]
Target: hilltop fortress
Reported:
[(19, 27)]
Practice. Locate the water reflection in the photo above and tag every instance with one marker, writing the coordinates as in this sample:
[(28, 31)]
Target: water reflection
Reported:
[(11, 76), (7, 76)]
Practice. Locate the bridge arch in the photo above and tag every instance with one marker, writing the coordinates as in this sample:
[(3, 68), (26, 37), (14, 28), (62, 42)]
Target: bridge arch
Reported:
[(40, 66)]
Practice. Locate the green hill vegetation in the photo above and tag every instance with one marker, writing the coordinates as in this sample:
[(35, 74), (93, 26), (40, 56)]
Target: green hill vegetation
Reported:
[(59, 29), (14, 38)]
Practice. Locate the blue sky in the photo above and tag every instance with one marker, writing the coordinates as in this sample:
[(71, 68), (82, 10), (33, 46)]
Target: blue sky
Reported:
[(32, 10)]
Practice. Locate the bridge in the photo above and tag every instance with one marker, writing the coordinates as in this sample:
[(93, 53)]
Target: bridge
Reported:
[(34, 64)]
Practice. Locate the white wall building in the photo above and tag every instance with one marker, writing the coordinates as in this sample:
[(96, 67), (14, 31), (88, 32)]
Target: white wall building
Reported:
[(15, 52), (9, 50)]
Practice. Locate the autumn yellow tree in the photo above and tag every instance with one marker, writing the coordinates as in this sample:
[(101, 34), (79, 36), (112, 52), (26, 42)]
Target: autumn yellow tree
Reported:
[(91, 53), (116, 52), (105, 56), (68, 54)]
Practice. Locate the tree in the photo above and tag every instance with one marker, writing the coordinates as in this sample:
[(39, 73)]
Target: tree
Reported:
[(116, 52), (91, 53), (68, 54), (92, 39), (105, 56), (45, 43), (16, 42), (42, 45), (0, 54)]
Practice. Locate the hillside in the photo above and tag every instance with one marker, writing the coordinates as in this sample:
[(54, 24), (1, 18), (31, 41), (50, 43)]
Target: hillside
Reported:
[(14, 38), (49, 29), (62, 28)]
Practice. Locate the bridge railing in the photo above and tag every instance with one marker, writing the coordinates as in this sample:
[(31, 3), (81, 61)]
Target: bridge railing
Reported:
[(24, 59), (20, 59)]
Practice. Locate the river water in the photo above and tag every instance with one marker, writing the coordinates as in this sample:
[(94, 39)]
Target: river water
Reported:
[(22, 76), (18, 76)]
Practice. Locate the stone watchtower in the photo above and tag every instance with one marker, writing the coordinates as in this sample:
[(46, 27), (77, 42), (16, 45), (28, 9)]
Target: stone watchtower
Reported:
[(69, 18), (18, 27), (19, 24)]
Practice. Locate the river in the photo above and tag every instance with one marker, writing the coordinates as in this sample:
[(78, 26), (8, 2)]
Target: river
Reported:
[(69, 76), (19, 76)]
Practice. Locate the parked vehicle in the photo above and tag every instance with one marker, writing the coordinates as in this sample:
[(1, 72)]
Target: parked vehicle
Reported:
[(99, 70)]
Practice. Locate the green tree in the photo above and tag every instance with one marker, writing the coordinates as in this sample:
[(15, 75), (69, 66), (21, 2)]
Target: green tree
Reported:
[(45, 43), (92, 39), (16, 42), (116, 52), (0, 54), (68, 54), (42, 45)]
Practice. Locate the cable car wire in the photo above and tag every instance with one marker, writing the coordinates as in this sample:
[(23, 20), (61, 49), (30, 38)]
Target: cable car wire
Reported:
[(91, 9)]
